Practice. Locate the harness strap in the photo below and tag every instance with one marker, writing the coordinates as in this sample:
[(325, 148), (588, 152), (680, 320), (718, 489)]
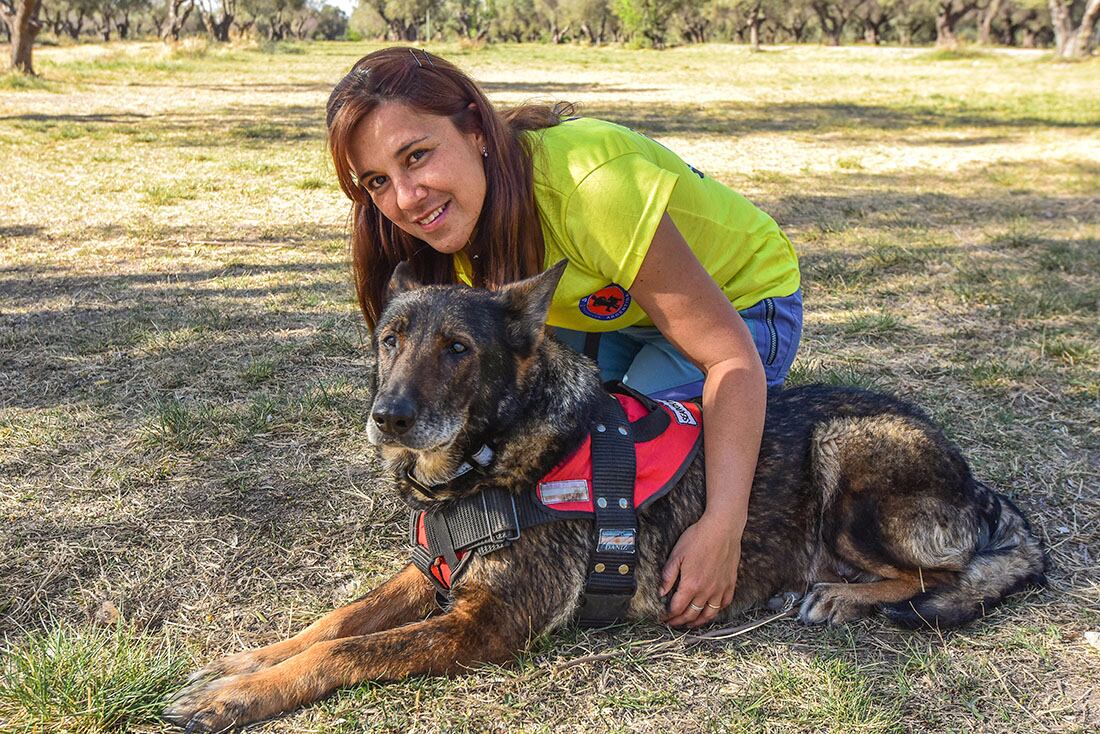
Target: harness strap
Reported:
[(611, 581), (485, 522)]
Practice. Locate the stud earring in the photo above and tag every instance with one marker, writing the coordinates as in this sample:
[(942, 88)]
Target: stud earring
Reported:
[(484, 152)]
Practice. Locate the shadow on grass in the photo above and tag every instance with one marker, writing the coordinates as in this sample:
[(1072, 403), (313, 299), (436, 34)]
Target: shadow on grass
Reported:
[(232, 125), (738, 118)]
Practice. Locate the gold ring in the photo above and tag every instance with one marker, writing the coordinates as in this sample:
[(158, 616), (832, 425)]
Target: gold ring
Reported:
[(695, 607), (713, 606)]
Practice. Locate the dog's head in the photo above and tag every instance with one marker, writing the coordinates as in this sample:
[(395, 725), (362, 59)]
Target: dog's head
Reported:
[(451, 366)]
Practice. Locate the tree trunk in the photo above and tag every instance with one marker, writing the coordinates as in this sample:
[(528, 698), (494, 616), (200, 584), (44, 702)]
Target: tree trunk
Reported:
[(1074, 43), (178, 10), (985, 28), (23, 26), (218, 27), (947, 17)]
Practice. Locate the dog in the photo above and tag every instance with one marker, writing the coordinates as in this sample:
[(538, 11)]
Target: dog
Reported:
[(859, 503)]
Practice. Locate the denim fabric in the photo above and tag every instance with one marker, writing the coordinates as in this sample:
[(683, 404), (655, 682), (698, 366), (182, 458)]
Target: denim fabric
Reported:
[(642, 358)]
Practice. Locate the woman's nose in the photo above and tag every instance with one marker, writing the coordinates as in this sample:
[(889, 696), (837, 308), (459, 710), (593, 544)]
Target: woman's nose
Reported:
[(410, 193)]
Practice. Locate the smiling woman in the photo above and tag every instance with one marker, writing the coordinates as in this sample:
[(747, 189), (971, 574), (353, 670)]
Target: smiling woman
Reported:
[(660, 260)]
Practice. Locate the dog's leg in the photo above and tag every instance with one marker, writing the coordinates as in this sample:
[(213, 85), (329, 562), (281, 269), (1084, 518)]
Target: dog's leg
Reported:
[(836, 603), (407, 597), (480, 628)]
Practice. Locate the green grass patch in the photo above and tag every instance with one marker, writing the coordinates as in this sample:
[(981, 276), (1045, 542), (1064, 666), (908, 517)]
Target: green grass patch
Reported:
[(87, 679), (258, 371), (880, 324), (265, 131), (15, 82), (313, 183), (169, 193), (816, 695)]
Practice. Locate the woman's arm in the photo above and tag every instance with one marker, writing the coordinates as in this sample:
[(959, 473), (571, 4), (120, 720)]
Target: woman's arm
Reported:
[(691, 311)]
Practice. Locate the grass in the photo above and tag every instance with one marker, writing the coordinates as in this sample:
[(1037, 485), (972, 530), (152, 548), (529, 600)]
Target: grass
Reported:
[(87, 679), (185, 435)]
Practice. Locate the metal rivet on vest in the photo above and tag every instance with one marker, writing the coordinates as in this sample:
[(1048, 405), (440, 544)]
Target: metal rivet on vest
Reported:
[(602, 502), (622, 430), (624, 569), (600, 428), (623, 503), (600, 568)]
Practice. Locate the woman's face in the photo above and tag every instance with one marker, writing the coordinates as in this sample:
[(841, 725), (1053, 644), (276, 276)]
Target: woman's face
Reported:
[(423, 173)]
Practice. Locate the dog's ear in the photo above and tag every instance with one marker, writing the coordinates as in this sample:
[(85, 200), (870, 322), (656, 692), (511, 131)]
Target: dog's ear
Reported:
[(528, 301), (403, 279)]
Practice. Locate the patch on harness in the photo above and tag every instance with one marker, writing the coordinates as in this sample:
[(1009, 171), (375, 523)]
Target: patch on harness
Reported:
[(682, 415), (616, 540), (566, 490)]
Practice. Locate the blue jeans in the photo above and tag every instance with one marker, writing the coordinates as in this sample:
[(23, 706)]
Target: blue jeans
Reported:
[(642, 358)]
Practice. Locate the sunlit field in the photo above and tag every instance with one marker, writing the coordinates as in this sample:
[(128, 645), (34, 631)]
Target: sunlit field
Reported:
[(184, 378)]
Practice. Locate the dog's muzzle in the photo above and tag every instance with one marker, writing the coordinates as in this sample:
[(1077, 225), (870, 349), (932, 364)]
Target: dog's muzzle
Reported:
[(394, 417)]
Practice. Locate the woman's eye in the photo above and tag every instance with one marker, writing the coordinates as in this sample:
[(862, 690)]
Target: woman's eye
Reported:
[(416, 155), (375, 183), (457, 348), (390, 341)]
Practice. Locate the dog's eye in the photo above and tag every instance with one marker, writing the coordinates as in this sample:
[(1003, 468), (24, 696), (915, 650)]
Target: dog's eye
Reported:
[(389, 341), (457, 348)]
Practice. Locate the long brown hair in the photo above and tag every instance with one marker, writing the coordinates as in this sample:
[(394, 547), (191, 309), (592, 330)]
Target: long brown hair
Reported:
[(507, 243)]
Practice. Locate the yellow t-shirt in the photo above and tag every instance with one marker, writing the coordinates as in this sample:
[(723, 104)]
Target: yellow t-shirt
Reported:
[(601, 189)]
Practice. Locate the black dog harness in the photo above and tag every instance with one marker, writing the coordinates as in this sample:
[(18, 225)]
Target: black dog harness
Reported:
[(636, 451)]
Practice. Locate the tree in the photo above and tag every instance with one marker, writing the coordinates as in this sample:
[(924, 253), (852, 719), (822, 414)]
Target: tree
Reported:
[(987, 15), (1074, 39), (948, 15), (647, 21), (753, 17), (332, 23), (833, 15), (175, 16), (21, 19), (218, 17), (515, 20), (875, 15), (593, 18), (794, 20), (472, 18)]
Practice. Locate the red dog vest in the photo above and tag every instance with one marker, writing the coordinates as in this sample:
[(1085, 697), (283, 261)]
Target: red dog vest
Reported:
[(667, 437)]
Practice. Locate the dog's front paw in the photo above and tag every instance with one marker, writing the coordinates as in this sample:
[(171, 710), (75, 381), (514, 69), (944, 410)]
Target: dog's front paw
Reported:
[(831, 604), (218, 705), (248, 661)]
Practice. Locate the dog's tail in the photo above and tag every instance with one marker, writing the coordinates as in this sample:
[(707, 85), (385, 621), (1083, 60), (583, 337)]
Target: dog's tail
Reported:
[(1008, 557)]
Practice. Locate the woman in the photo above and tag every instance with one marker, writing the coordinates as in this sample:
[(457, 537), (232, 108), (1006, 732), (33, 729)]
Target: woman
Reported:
[(660, 259)]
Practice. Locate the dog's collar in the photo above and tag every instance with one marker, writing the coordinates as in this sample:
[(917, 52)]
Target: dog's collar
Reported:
[(478, 460)]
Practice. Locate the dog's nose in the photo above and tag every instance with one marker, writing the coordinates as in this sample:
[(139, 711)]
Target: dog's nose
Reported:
[(394, 418)]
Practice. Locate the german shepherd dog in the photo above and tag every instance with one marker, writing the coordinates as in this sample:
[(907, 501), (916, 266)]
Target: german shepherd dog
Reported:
[(860, 503)]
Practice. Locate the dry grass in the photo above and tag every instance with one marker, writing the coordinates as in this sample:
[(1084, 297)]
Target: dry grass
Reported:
[(183, 379)]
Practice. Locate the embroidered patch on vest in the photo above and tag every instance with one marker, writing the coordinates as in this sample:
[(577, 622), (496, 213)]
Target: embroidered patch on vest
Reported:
[(609, 302), (566, 490), (616, 540), (682, 415)]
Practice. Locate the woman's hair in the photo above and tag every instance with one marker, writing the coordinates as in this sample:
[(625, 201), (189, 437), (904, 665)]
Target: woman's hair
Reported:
[(507, 242)]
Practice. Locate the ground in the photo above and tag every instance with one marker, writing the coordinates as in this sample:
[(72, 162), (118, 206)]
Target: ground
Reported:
[(184, 376)]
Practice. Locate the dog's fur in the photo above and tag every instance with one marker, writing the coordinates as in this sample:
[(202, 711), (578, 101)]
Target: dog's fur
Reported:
[(859, 502)]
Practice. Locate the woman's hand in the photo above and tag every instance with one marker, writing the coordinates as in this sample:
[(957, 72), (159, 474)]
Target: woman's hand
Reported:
[(704, 560)]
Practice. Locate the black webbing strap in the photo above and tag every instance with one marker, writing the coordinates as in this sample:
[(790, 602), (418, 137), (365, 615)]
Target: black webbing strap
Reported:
[(611, 581), (482, 523)]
